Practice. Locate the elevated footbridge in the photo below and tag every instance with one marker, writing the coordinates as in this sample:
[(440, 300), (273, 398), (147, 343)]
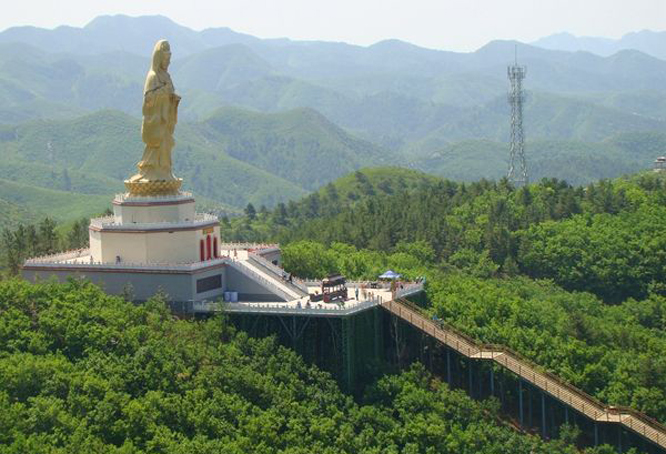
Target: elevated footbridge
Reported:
[(548, 383)]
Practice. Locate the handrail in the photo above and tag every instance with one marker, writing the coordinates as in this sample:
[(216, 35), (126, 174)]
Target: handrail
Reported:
[(65, 255), (284, 308), (67, 262), (279, 272), (294, 294), (548, 382), (379, 285), (257, 246), (408, 289), (254, 275), (109, 222), (151, 198)]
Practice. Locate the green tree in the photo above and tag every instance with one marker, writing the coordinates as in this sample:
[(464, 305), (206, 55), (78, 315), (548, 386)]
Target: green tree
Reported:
[(47, 238), (250, 212)]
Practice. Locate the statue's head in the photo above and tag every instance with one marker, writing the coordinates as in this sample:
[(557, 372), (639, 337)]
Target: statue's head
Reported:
[(161, 55)]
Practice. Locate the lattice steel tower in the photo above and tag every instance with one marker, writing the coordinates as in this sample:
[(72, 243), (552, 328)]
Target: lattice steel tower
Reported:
[(516, 75)]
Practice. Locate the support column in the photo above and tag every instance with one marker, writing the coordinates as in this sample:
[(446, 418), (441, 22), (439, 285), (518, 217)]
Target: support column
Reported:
[(543, 414), (502, 379), (520, 402), (596, 434), (448, 367), (529, 402), (347, 352), (293, 332), (492, 381), (378, 333), (469, 375)]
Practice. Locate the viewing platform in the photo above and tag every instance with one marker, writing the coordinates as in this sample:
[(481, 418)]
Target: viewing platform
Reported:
[(266, 289)]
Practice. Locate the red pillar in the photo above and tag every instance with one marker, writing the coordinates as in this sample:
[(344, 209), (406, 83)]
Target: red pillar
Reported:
[(216, 251), (202, 253), (209, 248)]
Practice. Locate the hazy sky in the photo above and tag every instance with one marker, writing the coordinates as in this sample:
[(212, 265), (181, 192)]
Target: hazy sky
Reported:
[(443, 24)]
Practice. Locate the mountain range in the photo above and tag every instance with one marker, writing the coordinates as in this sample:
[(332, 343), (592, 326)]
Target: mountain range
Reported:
[(268, 120), (647, 41)]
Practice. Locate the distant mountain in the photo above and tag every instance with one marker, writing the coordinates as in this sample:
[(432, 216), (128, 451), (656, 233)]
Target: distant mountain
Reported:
[(232, 158), (646, 41), (418, 98), (300, 146), (547, 117), (574, 161), (267, 120)]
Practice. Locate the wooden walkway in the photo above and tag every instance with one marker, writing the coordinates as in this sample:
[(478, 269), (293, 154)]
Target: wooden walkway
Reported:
[(528, 371)]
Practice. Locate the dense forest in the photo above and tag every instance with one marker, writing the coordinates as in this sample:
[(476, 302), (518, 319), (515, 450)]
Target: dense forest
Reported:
[(81, 371), (607, 238), (572, 277)]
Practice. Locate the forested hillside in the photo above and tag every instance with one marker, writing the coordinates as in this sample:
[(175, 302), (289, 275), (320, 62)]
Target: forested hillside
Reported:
[(71, 168), (606, 237), (571, 277), (576, 162), (81, 371)]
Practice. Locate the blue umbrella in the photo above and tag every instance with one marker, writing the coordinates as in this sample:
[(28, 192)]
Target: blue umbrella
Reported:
[(390, 274)]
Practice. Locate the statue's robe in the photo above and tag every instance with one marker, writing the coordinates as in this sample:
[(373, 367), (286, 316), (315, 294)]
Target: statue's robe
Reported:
[(160, 115)]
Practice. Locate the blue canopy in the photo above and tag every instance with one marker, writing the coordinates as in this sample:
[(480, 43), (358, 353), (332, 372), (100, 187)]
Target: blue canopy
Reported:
[(390, 274)]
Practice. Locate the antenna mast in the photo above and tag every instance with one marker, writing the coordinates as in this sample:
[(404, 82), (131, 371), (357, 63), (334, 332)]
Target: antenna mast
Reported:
[(516, 75)]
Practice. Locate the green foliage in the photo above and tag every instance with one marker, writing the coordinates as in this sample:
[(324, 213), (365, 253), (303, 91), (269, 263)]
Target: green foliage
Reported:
[(607, 238), (311, 259), (250, 212), (577, 162), (42, 238), (614, 256), (612, 352), (81, 371), (479, 246)]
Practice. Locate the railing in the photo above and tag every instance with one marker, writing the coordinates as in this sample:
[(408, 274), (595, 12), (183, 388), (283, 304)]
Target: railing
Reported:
[(244, 246), (294, 284), (369, 285), (68, 259), (256, 276), (125, 197), (408, 289), (277, 308), (532, 373), (60, 256), (109, 222), (278, 280)]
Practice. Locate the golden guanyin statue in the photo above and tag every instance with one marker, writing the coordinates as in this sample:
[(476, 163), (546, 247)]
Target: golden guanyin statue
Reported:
[(160, 115)]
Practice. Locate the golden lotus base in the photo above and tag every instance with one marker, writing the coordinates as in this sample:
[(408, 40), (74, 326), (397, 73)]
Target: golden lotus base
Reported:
[(153, 188)]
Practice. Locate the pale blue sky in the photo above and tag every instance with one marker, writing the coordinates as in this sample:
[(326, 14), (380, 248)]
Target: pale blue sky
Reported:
[(461, 25)]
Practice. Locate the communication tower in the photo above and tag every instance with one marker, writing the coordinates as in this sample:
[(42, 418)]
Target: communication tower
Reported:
[(516, 75)]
